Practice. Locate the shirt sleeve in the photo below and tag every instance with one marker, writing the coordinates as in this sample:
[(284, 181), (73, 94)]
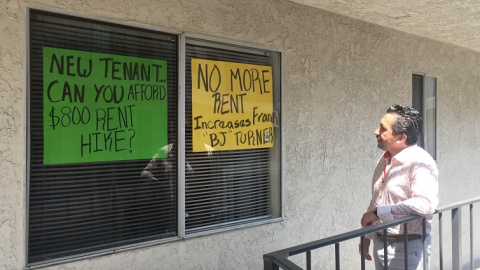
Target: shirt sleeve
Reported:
[(369, 209), (384, 213), (424, 193)]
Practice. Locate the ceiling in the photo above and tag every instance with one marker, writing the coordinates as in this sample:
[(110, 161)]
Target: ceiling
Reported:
[(455, 22)]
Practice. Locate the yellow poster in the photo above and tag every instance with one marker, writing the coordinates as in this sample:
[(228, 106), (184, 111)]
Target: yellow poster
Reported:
[(232, 106)]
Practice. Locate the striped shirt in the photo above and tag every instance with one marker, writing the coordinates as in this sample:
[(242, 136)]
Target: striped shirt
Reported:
[(406, 186)]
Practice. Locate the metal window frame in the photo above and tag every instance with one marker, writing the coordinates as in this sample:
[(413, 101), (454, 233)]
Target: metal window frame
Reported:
[(182, 40), (26, 120), (223, 43), (424, 110)]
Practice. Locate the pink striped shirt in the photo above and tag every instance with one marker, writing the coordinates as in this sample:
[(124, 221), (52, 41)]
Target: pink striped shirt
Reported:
[(406, 186)]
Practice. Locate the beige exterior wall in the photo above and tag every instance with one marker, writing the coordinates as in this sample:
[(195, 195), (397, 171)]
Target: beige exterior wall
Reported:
[(339, 76)]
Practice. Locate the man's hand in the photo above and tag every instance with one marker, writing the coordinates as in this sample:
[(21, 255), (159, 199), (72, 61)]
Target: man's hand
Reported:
[(368, 219), (367, 249)]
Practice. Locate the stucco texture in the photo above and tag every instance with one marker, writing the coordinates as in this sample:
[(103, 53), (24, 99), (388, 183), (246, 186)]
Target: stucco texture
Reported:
[(339, 76)]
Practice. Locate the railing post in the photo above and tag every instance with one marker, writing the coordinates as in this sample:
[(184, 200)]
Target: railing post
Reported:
[(440, 240), (337, 256), (268, 264), (457, 238), (309, 260), (472, 262), (385, 248), (426, 258), (405, 245), (362, 247)]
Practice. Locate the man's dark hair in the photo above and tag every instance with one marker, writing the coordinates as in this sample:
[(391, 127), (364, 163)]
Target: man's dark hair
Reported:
[(409, 122)]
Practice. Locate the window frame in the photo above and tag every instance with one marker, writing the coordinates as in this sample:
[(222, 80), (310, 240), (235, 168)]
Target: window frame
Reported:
[(424, 100), (28, 133), (240, 46), (182, 38)]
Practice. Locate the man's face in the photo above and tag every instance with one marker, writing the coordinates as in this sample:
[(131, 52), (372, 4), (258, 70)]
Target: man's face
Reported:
[(384, 133)]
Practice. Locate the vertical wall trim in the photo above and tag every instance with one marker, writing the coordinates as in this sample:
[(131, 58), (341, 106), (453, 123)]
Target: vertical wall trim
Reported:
[(181, 137), (26, 120)]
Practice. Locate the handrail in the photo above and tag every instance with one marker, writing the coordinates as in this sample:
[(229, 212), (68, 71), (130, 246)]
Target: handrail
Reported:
[(344, 236), (279, 258), (457, 205)]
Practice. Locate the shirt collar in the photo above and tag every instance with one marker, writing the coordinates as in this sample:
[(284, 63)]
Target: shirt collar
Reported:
[(402, 156)]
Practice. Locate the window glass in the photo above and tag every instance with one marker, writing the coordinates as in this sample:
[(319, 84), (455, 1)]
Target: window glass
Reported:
[(232, 142), (424, 90), (103, 148), (102, 127), (430, 125)]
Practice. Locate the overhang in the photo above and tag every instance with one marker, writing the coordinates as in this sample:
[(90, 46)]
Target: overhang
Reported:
[(454, 22)]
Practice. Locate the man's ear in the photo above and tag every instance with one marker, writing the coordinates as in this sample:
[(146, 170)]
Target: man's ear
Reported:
[(402, 138)]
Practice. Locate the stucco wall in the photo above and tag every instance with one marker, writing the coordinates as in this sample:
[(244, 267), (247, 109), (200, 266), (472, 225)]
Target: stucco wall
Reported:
[(339, 76)]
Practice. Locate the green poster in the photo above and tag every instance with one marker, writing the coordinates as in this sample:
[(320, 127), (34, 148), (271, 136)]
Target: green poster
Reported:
[(102, 107)]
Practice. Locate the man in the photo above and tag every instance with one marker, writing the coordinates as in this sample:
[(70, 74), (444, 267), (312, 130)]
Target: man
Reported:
[(405, 182)]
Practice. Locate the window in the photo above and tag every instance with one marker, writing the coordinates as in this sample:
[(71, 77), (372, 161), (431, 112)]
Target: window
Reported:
[(108, 127), (241, 183), (101, 198), (424, 92)]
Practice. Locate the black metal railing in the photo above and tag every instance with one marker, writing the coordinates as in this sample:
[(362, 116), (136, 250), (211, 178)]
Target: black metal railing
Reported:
[(280, 259)]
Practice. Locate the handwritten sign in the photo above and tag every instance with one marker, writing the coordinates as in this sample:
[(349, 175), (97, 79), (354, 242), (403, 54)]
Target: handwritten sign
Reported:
[(232, 106), (102, 107)]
